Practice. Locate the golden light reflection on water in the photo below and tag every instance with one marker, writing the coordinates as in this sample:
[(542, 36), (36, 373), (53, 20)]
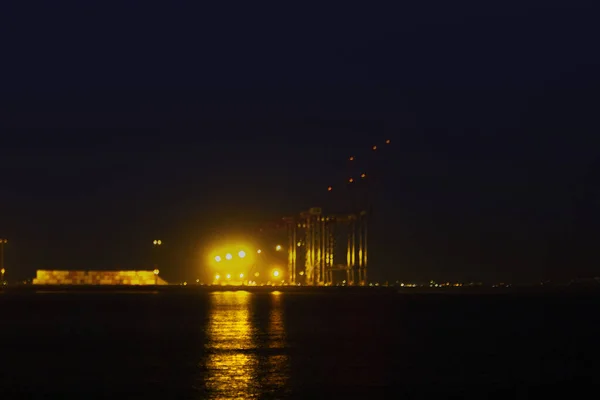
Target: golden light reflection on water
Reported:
[(276, 366), (232, 364), (240, 362)]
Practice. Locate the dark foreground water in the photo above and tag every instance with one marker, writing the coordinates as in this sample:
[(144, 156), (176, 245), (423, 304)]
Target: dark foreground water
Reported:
[(244, 345)]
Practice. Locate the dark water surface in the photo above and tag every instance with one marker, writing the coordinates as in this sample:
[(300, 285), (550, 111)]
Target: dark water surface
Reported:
[(224, 345)]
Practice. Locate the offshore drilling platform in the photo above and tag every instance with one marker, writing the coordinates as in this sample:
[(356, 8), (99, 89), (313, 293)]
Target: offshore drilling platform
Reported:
[(314, 244)]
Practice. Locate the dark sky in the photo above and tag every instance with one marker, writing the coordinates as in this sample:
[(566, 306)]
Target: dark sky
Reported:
[(189, 122)]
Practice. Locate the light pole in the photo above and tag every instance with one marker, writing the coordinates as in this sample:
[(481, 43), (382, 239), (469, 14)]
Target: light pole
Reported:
[(156, 272), (2, 270), (157, 243)]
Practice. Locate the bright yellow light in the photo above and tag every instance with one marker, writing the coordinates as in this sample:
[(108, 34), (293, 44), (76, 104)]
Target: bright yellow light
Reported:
[(256, 274), (2, 271), (363, 175), (197, 280), (301, 273), (259, 251), (156, 271), (278, 247), (217, 277), (388, 141), (351, 158), (241, 276), (299, 244), (374, 147), (228, 276), (238, 257), (329, 188), (351, 180), (276, 273)]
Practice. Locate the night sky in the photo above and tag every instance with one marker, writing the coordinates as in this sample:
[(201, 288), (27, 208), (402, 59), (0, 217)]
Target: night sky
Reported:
[(187, 123)]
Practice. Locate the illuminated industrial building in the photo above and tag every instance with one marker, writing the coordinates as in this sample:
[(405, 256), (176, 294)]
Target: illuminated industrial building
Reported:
[(313, 241), (321, 244), (53, 277)]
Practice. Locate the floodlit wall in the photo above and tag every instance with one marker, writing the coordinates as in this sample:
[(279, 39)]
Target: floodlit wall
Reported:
[(46, 277)]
